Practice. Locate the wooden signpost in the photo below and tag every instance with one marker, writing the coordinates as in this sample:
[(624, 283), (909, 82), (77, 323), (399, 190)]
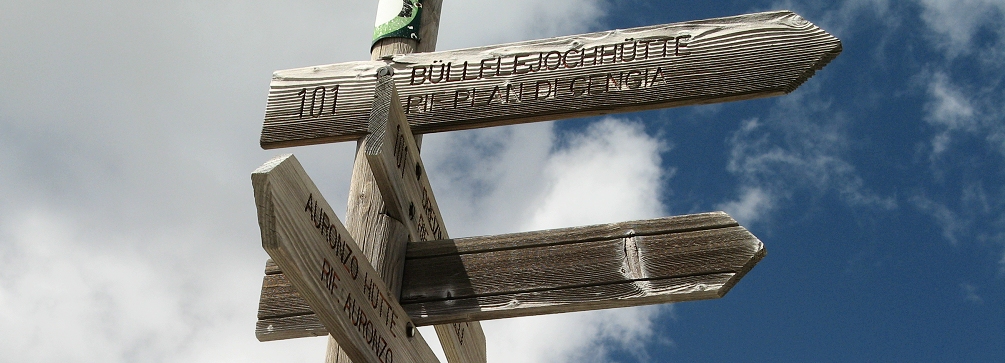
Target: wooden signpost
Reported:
[(393, 265), (696, 62), (468, 280)]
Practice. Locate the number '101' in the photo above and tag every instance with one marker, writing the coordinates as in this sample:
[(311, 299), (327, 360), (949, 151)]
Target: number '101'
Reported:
[(318, 98)]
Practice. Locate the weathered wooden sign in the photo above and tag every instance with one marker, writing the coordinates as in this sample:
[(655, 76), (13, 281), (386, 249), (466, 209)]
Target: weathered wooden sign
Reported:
[(682, 258), (303, 236), (401, 178), (397, 167), (695, 62)]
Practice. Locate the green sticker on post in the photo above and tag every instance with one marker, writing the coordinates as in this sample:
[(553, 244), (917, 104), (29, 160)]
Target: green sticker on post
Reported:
[(397, 19)]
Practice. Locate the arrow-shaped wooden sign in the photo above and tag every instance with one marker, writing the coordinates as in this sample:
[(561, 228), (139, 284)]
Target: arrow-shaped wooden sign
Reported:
[(397, 167), (682, 258), (303, 236), (695, 62)]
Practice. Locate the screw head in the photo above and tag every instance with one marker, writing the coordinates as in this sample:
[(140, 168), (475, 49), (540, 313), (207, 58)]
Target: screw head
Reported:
[(385, 71)]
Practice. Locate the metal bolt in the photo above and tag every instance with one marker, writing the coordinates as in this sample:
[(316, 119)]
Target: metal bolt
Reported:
[(409, 330), (385, 71)]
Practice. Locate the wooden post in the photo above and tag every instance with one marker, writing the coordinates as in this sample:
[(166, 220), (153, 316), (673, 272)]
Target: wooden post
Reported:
[(382, 238)]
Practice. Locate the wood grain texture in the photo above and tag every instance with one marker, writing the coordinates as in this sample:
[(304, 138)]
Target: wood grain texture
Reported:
[(682, 258), (430, 30), (588, 268), (385, 47), (304, 238), (462, 341), (696, 62)]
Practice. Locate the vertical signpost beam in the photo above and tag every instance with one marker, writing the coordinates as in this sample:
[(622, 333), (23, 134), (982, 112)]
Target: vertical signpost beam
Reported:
[(381, 238), (408, 196), (384, 239), (397, 32)]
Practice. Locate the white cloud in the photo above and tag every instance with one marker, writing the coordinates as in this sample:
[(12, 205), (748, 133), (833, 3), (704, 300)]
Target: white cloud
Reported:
[(957, 22), (958, 112), (573, 337), (965, 114), (519, 178), (751, 206), (949, 109), (69, 297), (970, 33), (478, 23), (487, 180), (952, 225), (971, 215), (956, 28), (127, 225), (611, 171), (970, 293), (798, 148)]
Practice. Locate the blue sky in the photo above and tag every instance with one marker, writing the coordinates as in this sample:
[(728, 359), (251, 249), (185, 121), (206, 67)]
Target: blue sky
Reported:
[(882, 181), (129, 132)]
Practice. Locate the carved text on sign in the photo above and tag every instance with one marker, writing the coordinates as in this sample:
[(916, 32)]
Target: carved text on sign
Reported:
[(424, 215), (550, 60), (335, 240), (317, 103), (544, 89), (350, 263)]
